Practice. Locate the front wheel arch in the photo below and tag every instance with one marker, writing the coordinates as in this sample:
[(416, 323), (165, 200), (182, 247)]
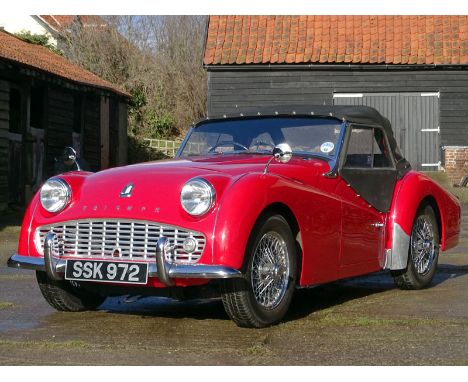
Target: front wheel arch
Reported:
[(241, 299), (284, 211)]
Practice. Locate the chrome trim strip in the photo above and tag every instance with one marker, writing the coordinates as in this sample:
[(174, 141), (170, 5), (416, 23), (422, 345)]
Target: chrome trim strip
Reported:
[(400, 247), (387, 258), (203, 272), (175, 271)]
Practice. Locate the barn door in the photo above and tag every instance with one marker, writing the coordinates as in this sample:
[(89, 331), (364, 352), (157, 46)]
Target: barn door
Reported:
[(415, 122), (425, 117)]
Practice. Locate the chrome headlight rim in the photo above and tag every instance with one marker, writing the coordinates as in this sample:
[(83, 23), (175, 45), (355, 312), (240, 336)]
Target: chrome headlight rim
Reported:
[(209, 188), (67, 194)]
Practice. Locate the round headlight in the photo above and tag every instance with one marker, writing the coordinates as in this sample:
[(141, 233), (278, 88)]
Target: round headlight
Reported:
[(197, 196), (55, 195)]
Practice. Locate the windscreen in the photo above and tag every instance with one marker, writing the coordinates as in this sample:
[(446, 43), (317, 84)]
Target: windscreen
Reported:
[(306, 136)]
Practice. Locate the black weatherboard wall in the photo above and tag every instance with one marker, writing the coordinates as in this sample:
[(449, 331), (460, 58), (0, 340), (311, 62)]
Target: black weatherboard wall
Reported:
[(47, 103), (232, 87), (4, 146)]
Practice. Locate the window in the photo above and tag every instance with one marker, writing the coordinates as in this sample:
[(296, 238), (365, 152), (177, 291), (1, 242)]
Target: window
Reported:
[(381, 150), (306, 136), (201, 142), (262, 142), (325, 137), (367, 148)]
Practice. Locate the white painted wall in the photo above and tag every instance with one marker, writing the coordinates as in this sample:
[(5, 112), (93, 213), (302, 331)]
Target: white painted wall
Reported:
[(19, 23)]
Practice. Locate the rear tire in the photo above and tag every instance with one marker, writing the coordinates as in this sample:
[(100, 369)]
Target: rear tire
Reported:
[(423, 252), (65, 297), (263, 297)]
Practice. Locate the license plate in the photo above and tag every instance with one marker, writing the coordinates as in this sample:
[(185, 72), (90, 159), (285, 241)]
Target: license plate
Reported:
[(105, 271)]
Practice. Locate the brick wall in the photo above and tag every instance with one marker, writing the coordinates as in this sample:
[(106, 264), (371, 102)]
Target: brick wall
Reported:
[(456, 162)]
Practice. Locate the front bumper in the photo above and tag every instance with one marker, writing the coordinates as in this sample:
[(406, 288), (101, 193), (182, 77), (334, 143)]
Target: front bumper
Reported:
[(166, 272)]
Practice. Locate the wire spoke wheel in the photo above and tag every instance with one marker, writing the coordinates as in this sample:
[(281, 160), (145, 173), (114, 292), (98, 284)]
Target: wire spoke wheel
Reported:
[(263, 296), (423, 252), (270, 270), (423, 246)]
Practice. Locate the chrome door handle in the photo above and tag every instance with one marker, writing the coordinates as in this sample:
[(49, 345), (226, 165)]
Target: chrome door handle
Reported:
[(377, 225)]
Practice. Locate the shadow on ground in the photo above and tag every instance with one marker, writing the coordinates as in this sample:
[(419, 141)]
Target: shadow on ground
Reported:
[(305, 302)]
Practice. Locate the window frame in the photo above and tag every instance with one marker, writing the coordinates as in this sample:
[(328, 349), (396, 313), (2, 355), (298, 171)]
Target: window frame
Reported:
[(344, 151), (333, 160)]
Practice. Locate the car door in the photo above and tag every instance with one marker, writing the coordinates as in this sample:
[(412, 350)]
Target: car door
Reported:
[(367, 180)]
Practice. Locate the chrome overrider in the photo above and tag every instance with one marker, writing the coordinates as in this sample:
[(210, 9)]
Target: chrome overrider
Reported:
[(165, 271)]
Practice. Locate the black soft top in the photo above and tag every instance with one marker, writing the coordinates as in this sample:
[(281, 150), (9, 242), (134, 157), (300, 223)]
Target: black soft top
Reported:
[(357, 114)]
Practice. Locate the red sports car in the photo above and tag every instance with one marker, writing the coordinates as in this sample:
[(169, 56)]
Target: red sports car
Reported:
[(252, 207)]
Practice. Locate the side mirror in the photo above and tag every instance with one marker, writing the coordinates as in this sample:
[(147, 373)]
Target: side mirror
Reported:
[(282, 153), (69, 157)]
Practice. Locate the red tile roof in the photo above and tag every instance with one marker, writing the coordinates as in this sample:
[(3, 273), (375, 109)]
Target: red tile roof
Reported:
[(40, 58), (337, 39)]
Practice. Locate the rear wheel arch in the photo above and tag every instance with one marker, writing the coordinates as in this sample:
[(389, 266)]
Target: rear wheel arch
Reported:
[(416, 191), (401, 229), (423, 251)]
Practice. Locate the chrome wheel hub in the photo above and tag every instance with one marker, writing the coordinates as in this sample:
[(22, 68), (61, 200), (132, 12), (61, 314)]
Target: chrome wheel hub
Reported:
[(270, 270), (423, 245)]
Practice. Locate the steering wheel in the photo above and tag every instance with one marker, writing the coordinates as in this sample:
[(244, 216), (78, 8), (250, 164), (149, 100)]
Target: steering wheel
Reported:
[(227, 143), (263, 143)]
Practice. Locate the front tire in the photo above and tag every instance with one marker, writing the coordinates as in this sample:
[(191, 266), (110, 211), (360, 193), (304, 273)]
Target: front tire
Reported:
[(423, 252), (263, 297), (65, 297)]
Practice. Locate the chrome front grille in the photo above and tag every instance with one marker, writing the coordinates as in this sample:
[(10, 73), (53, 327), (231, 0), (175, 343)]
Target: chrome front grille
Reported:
[(118, 238)]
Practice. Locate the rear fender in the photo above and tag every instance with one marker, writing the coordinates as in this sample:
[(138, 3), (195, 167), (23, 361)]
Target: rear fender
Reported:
[(410, 193)]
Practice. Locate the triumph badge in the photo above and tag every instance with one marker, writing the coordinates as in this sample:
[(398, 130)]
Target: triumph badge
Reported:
[(127, 191)]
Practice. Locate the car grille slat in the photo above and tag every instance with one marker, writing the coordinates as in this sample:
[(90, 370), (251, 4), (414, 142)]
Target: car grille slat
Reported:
[(125, 239)]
